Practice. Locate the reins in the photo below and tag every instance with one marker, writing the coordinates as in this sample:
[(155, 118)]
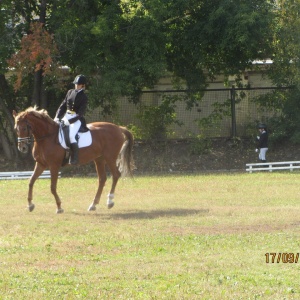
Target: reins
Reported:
[(44, 136)]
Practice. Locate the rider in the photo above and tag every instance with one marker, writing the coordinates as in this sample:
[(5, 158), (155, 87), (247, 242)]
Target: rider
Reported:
[(72, 111)]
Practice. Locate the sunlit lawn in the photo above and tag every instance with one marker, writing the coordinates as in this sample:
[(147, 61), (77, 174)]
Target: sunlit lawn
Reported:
[(168, 237)]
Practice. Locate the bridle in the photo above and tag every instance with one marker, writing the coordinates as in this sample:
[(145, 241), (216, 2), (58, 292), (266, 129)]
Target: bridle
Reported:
[(28, 139)]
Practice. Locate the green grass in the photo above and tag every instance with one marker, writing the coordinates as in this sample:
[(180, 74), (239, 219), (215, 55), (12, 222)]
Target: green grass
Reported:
[(168, 237)]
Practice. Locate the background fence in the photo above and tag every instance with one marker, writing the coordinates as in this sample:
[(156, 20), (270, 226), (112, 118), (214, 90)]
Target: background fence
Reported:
[(231, 112)]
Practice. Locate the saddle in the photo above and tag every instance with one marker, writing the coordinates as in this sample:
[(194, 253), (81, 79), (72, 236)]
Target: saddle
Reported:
[(83, 137)]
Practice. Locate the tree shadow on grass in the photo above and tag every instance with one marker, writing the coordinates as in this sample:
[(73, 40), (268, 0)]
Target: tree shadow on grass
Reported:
[(151, 214)]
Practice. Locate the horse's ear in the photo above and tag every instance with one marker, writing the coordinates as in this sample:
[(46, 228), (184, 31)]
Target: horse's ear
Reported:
[(14, 113)]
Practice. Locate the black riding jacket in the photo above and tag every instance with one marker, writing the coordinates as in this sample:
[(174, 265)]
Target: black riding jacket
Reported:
[(75, 101), (263, 140)]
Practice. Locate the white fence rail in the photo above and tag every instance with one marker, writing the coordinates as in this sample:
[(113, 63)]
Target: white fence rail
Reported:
[(23, 175), (272, 166)]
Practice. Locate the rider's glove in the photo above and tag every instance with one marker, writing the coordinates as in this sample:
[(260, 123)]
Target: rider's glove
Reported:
[(66, 121)]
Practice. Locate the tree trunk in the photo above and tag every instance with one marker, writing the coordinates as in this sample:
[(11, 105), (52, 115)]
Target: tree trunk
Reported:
[(6, 146), (7, 122), (43, 11), (44, 98), (39, 94), (37, 86)]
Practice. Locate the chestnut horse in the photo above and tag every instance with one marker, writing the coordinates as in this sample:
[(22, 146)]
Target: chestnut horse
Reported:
[(111, 145)]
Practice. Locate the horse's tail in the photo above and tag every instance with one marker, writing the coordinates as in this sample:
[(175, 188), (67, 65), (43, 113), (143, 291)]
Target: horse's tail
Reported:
[(125, 161)]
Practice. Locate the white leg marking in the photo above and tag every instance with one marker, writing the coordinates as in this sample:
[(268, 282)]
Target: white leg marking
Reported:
[(110, 202)]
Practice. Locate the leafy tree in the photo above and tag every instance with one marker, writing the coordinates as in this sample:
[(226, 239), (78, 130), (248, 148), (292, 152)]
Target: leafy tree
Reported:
[(8, 36), (285, 69), (285, 72), (156, 119), (36, 53), (124, 46), (219, 36), (15, 21), (117, 43)]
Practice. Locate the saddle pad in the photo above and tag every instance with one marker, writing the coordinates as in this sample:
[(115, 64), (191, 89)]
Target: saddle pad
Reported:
[(85, 139)]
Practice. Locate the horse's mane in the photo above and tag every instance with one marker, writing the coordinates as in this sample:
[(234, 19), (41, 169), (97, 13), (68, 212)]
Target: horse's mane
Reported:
[(41, 114)]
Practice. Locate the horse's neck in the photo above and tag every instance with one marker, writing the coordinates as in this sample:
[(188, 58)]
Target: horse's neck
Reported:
[(41, 128)]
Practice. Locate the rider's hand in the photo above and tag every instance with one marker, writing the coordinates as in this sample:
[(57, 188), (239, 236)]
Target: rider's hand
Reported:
[(66, 121), (57, 120)]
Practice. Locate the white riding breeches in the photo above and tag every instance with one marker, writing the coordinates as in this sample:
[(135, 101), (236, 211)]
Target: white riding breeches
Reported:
[(73, 128), (262, 153)]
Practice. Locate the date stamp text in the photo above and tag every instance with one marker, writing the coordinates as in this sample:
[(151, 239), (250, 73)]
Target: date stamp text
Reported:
[(274, 257)]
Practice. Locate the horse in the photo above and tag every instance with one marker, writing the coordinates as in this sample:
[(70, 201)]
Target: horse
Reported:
[(111, 146)]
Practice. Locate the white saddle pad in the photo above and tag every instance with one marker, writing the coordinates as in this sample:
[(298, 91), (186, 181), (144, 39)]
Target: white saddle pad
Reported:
[(85, 139)]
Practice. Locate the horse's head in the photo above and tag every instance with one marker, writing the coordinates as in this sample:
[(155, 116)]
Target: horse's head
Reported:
[(23, 130), (33, 122)]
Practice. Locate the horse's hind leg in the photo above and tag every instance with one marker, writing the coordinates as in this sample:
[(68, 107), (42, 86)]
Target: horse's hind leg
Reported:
[(115, 177), (54, 176), (38, 170), (100, 168)]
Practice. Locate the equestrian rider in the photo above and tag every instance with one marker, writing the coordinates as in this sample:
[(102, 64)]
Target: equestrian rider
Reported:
[(72, 111)]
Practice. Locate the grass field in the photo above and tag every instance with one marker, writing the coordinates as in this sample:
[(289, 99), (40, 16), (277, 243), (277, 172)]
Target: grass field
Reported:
[(168, 237)]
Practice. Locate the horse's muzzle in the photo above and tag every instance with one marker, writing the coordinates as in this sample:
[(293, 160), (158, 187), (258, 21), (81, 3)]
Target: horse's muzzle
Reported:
[(22, 147), (23, 144)]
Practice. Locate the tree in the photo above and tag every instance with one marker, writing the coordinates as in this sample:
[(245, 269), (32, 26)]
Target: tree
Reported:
[(218, 37), (15, 21), (117, 43), (128, 45), (285, 69), (124, 46), (35, 56), (285, 72), (8, 36)]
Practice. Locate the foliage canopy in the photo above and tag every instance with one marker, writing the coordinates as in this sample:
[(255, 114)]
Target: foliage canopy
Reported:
[(125, 46)]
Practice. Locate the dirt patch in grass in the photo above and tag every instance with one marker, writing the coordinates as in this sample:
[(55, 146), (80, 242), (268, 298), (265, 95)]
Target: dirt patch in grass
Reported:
[(238, 229)]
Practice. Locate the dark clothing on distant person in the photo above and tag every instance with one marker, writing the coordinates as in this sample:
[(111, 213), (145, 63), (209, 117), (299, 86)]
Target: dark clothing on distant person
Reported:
[(263, 140)]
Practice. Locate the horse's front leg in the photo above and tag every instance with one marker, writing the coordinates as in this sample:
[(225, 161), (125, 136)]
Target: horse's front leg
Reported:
[(38, 170), (54, 176)]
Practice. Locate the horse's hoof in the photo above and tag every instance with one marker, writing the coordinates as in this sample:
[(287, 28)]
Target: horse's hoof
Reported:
[(31, 207), (59, 211), (110, 205), (92, 207)]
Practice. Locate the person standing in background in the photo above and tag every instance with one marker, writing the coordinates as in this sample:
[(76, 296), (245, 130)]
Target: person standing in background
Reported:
[(262, 142)]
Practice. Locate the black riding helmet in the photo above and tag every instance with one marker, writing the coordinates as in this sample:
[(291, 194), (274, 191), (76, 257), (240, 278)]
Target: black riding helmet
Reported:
[(80, 79), (262, 126)]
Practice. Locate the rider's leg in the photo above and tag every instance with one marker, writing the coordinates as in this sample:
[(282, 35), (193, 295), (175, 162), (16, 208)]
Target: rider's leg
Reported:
[(74, 127)]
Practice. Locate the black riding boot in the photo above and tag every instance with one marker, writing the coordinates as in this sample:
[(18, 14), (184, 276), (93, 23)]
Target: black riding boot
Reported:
[(74, 154)]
